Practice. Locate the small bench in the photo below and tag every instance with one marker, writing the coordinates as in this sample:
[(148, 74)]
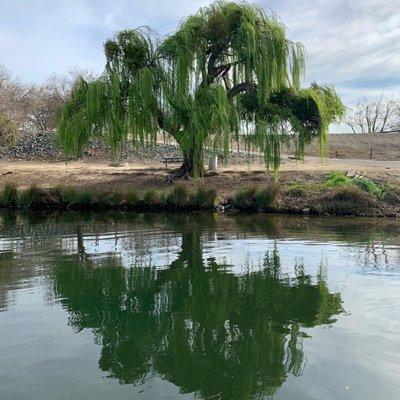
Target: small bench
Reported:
[(171, 160)]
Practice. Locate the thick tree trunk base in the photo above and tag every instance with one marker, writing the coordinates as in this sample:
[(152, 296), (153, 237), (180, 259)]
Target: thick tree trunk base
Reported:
[(186, 171), (182, 173)]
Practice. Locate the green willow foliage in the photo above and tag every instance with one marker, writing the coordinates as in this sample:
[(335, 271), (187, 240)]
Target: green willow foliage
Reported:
[(227, 70)]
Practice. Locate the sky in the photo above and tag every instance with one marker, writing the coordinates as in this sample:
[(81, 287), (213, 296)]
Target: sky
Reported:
[(353, 45)]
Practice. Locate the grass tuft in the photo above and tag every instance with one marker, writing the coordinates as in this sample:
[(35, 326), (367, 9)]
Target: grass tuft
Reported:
[(346, 200), (205, 198), (266, 195), (36, 198), (69, 195), (132, 197), (253, 197), (153, 197), (179, 196), (244, 198), (84, 198), (111, 199), (9, 197)]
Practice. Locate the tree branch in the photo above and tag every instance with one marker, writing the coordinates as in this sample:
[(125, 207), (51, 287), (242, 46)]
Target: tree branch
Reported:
[(240, 88), (162, 125)]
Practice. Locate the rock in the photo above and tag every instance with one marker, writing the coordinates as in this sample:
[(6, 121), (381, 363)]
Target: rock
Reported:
[(306, 211), (351, 174)]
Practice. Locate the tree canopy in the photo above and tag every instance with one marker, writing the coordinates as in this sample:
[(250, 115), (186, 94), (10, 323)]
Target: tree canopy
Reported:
[(228, 70)]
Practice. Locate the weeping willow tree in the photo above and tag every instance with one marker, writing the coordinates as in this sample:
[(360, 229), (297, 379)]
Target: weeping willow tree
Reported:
[(228, 70)]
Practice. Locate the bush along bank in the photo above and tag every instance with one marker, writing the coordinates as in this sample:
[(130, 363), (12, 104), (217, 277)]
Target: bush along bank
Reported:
[(342, 195), (180, 197), (337, 195)]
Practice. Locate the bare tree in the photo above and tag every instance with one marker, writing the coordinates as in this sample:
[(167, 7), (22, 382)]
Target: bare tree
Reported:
[(374, 116), (36, 106), (396, 120), (13, 97)]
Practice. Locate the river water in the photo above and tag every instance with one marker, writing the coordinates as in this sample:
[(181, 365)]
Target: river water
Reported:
[(198, 306)]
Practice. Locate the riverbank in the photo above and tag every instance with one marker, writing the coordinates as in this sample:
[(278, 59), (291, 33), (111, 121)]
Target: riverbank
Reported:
[(333, 193)]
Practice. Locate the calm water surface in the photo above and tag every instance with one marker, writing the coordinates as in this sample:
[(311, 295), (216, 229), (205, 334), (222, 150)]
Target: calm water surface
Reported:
[(128, 306)]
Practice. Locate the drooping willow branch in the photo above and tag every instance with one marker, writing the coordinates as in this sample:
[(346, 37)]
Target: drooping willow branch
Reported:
[(228, 70)]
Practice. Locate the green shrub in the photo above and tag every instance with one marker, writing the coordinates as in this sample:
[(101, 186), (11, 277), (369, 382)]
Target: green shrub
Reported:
[(265, 196), (205, 197), (179, 195), (245, 198), (9, 196), (132, 197), (336, 178), (370, 187)]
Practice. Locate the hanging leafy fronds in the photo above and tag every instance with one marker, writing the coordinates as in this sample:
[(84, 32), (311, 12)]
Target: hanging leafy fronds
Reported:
[(228, 70), (74, 127)]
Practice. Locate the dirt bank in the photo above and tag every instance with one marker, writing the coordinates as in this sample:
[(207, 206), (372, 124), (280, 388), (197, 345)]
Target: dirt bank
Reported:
[(143, 175), (146, 174), (376, 146)]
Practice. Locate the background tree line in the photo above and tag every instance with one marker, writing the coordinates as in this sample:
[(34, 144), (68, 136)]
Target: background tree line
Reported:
[(32, 106), (37, 106)]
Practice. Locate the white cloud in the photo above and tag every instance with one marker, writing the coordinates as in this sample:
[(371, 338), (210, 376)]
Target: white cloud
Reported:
[(353, 44)]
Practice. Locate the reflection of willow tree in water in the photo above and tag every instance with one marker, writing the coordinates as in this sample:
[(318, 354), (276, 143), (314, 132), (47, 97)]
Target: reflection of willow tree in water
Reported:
[(195, 324)]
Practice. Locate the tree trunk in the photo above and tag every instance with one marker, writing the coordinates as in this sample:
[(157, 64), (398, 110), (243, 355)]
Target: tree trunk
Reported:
[(193, 163)]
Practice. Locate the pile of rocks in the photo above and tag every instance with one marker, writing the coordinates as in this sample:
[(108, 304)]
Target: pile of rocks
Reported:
[(33, 146), (43, 146)]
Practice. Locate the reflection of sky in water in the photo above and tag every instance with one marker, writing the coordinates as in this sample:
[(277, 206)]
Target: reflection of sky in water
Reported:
[(160, 249)]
